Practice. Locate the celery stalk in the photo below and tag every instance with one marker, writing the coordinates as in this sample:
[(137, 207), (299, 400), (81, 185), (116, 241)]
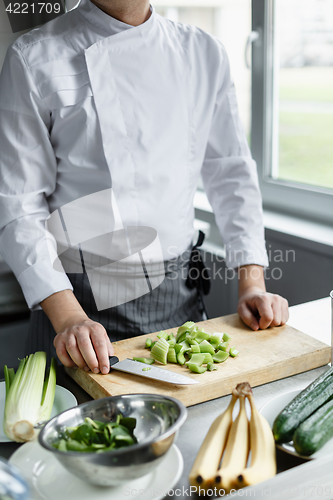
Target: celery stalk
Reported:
[(172, 358), (148, 343), (226, 337), (160, 351), (186, 327), (195, 368), (233, 352), (205, 346), (220, 356), (29, 399), (147, 361)]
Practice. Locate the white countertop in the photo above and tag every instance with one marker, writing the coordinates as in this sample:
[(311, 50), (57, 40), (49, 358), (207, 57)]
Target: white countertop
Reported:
[(313, 318)]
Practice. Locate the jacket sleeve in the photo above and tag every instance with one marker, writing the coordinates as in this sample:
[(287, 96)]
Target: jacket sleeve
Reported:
[(230, 179), (27, 177)]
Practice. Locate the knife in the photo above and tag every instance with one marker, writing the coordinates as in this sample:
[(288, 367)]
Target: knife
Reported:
[(153, 372)]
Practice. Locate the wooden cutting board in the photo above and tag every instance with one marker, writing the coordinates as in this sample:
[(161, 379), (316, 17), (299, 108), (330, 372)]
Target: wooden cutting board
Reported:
[(265, 356)]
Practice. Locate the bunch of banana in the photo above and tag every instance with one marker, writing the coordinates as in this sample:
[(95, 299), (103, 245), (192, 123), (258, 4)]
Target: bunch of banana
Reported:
[(233, 440)]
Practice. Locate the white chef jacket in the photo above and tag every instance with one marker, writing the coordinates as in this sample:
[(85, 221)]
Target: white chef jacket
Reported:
[(88, 103)]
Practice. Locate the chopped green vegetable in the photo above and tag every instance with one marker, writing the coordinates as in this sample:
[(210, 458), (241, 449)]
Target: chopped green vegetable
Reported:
[(181, 358), (171, 357), (172, 342), (148, 343), (160, 351), (205, 346), (147, 361), (226, 337), (29, 399), (195, 368), (186, 327), (211, 366), (233, 352), (214, 340), (195, 348), (98, 437), (181, 338), (201, 335), (146, 368), (197, 359), (162, 335), (220, 356), (223, 346)]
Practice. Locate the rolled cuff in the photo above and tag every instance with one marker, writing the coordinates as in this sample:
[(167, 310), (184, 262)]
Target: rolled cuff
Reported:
[(40, 281), (246, 251)]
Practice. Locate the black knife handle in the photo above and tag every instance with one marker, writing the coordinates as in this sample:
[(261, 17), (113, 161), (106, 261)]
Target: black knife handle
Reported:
[(113, 360)]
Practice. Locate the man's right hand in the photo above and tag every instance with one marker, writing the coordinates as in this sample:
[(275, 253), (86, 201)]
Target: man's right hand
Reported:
[(79, 341), (85, 344)]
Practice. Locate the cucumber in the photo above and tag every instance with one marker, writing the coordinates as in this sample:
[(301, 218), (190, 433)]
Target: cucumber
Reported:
[(315, 431), (302, 406)]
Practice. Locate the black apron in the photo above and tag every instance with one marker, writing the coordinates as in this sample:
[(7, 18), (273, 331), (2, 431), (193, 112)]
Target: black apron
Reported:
[(178, 299)]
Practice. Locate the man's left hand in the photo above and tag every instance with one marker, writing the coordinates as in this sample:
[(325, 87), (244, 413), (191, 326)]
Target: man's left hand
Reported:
[(258, 308)]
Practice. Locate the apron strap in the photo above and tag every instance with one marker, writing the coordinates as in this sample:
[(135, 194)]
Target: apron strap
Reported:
[(198, 273)]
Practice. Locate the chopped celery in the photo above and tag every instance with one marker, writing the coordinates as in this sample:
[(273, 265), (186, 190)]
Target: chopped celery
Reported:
[(160, 351), (220, 356), (205, 346), (147, 361), (201, 335), (211, 366), (185, 346), (171, 357), (178, 348), (195, 368), (181, 337), (214, 341), (171, 337), (172, 342), (186, 327), (146, 368), (208, 358), (190, 340), (226, 337), (162, 335), (233, 352), (181, 358), (197, 359), (148, 343), (223, 346), (195, 348)]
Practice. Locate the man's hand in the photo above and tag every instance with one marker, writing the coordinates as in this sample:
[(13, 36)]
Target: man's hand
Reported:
[(79, 340), (258, 308), (85, 344)]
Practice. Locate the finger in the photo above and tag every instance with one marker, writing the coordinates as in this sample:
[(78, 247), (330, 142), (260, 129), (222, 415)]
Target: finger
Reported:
[(74, 351), (277, 313), (98, 338), (285, 311), (86, 349), (63, 355), (265, 312), (247, 316)]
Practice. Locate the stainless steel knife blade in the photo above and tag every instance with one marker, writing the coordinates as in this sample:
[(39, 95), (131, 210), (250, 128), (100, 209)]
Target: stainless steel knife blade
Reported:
[(153, 372)]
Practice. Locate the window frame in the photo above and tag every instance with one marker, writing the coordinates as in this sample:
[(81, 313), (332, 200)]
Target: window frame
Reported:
[(307, 201)]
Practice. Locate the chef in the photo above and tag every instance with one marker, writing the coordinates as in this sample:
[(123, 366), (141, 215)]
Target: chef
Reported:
[(113, 101)]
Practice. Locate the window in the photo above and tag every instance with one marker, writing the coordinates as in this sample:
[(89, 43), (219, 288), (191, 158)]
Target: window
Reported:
[(292, 105), (228, 20)]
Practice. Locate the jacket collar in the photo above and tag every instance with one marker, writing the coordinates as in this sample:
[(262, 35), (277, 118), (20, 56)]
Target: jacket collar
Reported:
[(109, 24)]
